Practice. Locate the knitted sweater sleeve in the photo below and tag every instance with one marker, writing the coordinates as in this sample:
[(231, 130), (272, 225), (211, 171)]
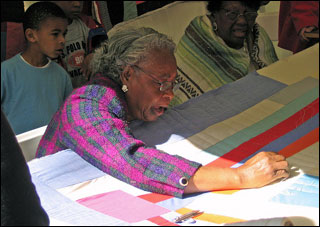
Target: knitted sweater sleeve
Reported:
[(92, 124)]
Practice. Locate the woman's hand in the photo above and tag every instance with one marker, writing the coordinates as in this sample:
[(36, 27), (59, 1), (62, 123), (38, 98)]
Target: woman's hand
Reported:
[(258, 171), (262, 169), (304, 30)]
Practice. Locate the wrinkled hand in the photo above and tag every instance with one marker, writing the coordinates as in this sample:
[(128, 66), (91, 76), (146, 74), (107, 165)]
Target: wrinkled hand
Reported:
[(85, 68), (303, 31), (262, 169)]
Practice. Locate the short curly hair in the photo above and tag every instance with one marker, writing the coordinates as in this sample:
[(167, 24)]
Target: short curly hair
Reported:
[(214, 6), (127, 47), (40, 11)]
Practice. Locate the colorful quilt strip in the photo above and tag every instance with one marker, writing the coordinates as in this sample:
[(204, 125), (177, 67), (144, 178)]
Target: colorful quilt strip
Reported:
[(123, 206), (299, 118), (252, 145), (210, 108), (62, 210), (224, 136), (227, 219), (285, 120)]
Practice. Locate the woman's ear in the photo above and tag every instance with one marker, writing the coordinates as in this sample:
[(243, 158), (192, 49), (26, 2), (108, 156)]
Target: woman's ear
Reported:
[(126, 74), (30, 35)]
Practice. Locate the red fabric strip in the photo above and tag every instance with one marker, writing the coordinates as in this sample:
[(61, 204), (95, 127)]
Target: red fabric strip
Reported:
[(155, 197), (161, 221), (249, 147), (301, 143)]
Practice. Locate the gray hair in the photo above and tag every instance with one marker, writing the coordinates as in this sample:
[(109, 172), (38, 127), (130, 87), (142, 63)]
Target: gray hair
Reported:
[(127, 47)]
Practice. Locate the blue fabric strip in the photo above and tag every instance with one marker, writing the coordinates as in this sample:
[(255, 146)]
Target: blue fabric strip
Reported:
[(63, 169), (195, 115), (288, 138), (233, 141), (304, 192)]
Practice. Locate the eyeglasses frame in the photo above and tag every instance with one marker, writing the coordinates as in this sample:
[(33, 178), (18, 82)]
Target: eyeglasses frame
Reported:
[(239, 14), (174, 84)]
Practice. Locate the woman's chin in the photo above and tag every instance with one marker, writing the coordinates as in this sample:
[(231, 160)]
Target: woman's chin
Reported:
[(237, 42), (152, 116)]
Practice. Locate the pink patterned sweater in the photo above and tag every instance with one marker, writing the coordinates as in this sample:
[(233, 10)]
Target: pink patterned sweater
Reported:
[(92, 123)]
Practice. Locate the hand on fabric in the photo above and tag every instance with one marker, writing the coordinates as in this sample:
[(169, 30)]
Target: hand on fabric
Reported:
[(258, 171), (303, 31), (85, 68), (262, 169)]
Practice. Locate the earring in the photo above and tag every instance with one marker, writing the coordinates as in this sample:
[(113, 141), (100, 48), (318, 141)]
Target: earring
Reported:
[(124, 88), (215, 26), (214, 23)]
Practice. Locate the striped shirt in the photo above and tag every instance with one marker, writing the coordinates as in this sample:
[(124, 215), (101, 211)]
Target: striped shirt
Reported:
[(92, 122), (205, 62)]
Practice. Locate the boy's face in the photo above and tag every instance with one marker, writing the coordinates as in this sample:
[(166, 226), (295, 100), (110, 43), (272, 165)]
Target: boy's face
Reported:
[(50, 36)]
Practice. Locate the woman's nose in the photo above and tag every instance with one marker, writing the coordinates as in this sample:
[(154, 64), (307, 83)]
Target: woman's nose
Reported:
[(242, 19), (169, 94)]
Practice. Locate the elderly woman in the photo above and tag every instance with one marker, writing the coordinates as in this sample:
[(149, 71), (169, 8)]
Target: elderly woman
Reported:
[(136, 72), (221, 47)]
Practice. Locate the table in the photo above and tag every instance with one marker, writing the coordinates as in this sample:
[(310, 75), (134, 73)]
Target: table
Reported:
[(275, 108)]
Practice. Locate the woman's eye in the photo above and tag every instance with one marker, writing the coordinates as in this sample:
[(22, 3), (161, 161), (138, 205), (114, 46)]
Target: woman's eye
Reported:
[(233, 14)]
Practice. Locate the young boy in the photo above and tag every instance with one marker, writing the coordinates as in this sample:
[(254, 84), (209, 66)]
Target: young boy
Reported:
[(32, 86), (83, 35)]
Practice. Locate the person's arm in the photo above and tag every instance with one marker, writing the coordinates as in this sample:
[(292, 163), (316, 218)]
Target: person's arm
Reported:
[(258, 171), (20, 203), (305, 16), (92, 125), (303, 31)]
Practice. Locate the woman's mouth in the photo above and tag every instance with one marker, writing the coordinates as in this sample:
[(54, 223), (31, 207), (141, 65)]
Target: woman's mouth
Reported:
[(240, 33), (159, 110)]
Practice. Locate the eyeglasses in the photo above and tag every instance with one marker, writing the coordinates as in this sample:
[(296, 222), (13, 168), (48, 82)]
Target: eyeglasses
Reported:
[(165, 85), (232, 15)]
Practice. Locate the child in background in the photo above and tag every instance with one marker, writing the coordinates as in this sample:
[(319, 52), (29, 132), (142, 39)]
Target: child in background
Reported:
[(32, 86), (83, 31), (84, 35)]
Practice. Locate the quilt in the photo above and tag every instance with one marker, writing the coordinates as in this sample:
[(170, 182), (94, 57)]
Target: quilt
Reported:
[(273, 109)]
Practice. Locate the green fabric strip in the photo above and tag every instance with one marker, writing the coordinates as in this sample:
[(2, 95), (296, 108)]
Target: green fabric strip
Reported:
[(295, 90), (246, 134)]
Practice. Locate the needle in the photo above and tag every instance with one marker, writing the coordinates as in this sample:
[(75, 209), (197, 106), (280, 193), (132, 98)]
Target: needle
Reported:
[(188, 215)]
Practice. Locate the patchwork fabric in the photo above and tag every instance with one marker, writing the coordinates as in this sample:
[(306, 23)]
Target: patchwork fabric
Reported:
[(271, 112)]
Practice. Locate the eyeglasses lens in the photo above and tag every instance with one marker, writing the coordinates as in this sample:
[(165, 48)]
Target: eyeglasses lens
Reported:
[(248, 15)]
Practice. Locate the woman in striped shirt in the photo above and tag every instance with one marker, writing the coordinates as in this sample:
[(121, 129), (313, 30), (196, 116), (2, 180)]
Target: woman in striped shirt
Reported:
[(221, 47), (135, 74)]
